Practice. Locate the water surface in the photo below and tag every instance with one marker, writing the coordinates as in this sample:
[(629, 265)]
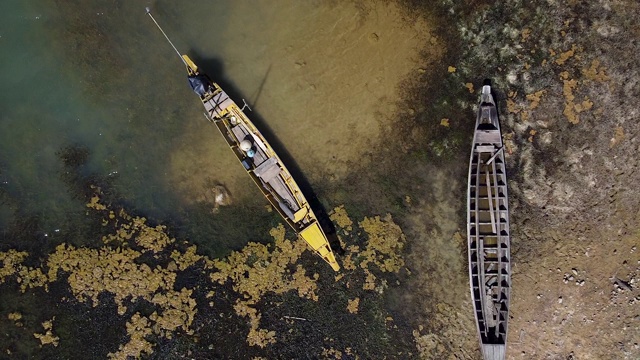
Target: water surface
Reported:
[(320, 78)]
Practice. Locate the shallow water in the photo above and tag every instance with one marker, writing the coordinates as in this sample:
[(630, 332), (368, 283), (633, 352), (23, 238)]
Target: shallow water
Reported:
[(87, 74), (322, 78), (319, 77)]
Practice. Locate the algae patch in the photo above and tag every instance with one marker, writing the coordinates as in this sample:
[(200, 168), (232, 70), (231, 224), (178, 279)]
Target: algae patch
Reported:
[(11, 263), (138, 267), (48, 337)]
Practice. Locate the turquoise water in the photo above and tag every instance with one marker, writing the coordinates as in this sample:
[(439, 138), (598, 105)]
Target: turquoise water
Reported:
[(100, 75)]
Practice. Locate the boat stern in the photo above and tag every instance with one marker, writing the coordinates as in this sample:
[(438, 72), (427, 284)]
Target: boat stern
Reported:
[(315, 237), (486, 97)]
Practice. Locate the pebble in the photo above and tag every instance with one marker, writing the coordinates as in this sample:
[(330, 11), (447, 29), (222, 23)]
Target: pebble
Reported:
[(560, 300), (574, 271)]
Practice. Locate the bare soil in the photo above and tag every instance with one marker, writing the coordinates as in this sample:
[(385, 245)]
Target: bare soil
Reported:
[(566, 79)]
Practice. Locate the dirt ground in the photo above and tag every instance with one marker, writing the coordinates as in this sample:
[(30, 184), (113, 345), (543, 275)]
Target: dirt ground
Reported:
[(566, 88), (566, 79)]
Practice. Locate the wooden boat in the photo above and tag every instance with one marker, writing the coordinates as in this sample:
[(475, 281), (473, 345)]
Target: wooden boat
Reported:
[(259, 159), (488, 231)]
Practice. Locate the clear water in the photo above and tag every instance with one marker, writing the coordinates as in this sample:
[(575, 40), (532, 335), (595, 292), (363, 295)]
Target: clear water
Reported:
[(98, 75)]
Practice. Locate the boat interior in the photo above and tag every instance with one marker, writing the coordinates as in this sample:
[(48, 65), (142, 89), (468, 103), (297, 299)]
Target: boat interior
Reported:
[(260, 160), (488, 230)]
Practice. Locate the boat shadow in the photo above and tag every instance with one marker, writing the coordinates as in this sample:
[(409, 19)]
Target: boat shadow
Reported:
[(214, 68)]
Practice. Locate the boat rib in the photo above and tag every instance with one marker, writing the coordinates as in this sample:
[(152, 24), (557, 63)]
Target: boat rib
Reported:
[(488, 231)]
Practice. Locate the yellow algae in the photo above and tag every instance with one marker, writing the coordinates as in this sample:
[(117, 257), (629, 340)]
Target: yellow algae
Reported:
[(14, 316), (444, 122), (256, 336), (92, 271), (260, 337), (255, 271), (525, 34), (617, 137), (186, 259), (331, 353), (152, 238), (451, 69), (340, 217), (381, 251), (369, 280), (570, 114), (138, 329), (94, 203), (384, 244), (119, 272), (469, 86), (585, 105), (47, 337), (177, 311), (566, 55), (595, 72), (569, 105), (121, 235), (11, 263), (535, 99), (352, 305), (347, 261), (29, 277), (512, 107)]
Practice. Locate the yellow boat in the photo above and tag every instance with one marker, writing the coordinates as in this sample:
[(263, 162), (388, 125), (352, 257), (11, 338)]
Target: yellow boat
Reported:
[(259, 159)]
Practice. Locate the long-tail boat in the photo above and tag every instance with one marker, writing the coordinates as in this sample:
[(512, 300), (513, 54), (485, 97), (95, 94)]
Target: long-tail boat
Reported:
[(258, 158), (488, 231)]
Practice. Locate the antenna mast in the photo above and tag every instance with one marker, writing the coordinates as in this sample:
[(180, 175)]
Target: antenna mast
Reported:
[(166, 37)]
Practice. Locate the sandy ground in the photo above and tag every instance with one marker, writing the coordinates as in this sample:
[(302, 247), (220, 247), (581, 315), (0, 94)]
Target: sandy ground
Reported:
[(321, 76), (566, 81)]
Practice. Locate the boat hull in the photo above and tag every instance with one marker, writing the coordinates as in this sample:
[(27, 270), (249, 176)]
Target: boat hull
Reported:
[(488, 232), (261, 162)]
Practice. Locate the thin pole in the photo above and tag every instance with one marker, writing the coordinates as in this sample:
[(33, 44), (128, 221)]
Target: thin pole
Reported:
[(494, 155), (166, 37)]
